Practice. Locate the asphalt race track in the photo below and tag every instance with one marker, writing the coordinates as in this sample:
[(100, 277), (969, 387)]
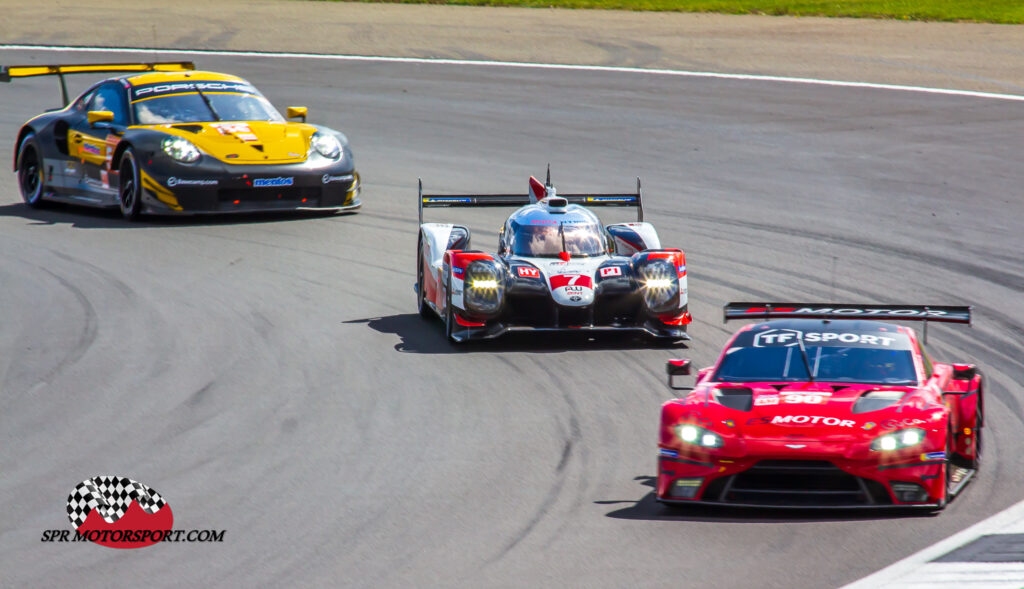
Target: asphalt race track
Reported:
[(270, 376)]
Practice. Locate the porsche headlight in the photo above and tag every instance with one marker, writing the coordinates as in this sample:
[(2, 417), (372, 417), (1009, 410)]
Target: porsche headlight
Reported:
[(904, 438), (326, 145), (659, 285), (180, 149), (484, 288), (694, 434)]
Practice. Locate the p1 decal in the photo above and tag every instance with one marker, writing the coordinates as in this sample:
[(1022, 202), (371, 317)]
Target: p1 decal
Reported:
[(119, 512), (611, 271), (527, 272)]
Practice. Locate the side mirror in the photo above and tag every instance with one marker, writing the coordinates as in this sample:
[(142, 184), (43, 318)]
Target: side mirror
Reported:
[(678, 367), (297, 112), (99, 116)]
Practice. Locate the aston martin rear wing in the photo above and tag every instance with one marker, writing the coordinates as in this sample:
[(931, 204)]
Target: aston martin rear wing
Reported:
[(837, 311), (9, 72), (428, 201)]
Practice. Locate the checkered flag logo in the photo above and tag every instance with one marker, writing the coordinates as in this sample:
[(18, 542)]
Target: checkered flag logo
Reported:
[(111, 496)]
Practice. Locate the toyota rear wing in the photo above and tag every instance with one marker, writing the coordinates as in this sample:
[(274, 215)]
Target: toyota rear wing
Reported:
[(9, 72), (429, 201)]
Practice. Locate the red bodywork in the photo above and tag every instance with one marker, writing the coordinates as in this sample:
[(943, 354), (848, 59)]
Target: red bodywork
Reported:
[(806, 432)]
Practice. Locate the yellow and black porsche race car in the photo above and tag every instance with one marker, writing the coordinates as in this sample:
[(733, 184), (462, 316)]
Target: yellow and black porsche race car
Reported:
[(166, 139)]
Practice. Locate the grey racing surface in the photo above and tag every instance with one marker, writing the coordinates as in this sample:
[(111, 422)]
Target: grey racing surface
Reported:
[(269, 375)]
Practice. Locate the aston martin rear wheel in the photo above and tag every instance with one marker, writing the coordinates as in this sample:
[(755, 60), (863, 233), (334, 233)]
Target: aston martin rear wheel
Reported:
[(130, 190), (30, 172)]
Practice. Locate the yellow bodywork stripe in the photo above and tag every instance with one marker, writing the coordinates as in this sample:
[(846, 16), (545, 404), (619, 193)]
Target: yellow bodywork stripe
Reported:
[(162, 194)]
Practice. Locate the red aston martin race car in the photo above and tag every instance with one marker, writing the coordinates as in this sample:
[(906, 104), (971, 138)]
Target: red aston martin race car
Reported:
[(823, 405)]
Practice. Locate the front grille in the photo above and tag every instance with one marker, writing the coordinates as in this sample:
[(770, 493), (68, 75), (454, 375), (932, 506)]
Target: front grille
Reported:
[(291, 194), (809, 483)]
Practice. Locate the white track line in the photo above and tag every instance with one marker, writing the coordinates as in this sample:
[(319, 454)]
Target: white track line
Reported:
[(917, 570), (518, 64)]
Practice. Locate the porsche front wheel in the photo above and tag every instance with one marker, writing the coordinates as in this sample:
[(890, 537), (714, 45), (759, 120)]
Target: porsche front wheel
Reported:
[(30, 172), (130, 190)]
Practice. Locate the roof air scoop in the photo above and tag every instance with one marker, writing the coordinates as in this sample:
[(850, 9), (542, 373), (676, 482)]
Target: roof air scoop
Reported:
[(556, 204)]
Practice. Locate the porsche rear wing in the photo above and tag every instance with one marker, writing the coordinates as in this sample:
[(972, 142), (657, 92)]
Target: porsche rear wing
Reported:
[(429, 201), (9, 72)]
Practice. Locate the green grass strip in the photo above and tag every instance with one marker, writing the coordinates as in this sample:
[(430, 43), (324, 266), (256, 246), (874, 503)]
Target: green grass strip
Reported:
[(991, 11)]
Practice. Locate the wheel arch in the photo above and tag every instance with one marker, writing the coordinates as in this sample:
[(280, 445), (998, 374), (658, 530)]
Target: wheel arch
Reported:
[(24, 132)]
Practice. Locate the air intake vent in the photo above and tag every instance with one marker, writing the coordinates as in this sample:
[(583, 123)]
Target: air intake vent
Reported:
[(740, 398)]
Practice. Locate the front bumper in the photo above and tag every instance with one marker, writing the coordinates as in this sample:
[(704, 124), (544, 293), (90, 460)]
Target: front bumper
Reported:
[(790, 480), (214, 187)]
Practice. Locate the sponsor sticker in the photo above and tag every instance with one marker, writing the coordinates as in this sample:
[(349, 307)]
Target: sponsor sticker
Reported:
[(527, 272), (934, 456), (240, 130), (869, 425), (327, 178), (898, 423), (611, 271), (435, 200), (801, 420), (790, 337), (668, 453), (157, 89), (457, 270), (90, 148), (175, 181), (273, 182)]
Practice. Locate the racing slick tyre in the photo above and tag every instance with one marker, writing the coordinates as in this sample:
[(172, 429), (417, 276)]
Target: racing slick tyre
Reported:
[(130, 189), (30, 172), (449, 311), (421, 305), (947, 470)]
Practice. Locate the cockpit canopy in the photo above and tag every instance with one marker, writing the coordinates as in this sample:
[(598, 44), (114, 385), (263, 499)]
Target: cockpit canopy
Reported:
[(537, 233)]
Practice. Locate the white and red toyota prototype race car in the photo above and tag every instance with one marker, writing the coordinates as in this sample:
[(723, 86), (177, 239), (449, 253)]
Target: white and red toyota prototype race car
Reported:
[(558, 268)]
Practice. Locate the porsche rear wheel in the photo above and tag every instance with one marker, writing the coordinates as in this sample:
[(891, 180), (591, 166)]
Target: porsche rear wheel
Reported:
[(130, 190), (30, 172)]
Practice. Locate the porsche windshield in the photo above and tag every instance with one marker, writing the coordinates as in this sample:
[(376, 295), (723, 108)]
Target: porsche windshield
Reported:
[(549, 240), (862, 357), (190, 107)]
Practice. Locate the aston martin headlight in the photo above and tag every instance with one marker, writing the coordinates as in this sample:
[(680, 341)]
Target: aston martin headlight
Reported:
[(484, 288), (694, 434), (659, 285), (180, 149), (904, 438), (326, 145)]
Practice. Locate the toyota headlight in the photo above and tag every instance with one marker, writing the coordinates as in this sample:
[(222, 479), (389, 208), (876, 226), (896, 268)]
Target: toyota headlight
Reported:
[(180, 149), (694, 434), (326, 145), (484, 287), (904, 438), (659, 285)]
